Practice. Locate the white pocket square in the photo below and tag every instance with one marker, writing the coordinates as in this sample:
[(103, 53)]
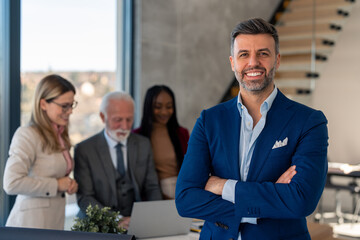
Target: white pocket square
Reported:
[(280, 143)]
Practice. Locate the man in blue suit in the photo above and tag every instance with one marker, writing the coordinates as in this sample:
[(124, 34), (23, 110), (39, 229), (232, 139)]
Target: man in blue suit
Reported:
[(255, 165)]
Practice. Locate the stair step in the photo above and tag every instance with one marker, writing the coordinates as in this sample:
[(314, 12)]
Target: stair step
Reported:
[(286, 90), (329, 20), (300, 67), (301, 58), (296, 46), (295, 75), (319, 3), (321, 15), (347, 6), (324, 30), (298, 83), (295, 91), (304, 65)]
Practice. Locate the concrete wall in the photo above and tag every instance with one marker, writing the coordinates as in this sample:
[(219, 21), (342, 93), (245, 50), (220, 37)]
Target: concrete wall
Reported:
[(185, 44)]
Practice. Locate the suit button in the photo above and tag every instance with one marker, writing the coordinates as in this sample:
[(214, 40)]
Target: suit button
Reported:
[(47, 194), (217, 224), (226, 227)]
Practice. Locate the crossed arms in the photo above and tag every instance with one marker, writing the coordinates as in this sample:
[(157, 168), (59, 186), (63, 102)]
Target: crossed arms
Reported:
[(216, 184), (199, 196)]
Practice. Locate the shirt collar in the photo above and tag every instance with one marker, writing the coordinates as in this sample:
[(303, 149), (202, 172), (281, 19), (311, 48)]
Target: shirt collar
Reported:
[(111, 142), (265, 106)]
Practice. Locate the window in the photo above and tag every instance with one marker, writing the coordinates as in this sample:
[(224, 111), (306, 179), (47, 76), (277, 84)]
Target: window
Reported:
[(10, 86), (77, 40)]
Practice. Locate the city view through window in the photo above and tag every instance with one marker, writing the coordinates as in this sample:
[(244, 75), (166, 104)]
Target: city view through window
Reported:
[(77, 40), (90, 87)]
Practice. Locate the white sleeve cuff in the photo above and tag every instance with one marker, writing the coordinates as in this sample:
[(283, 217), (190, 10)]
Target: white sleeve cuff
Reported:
[(228, 192)]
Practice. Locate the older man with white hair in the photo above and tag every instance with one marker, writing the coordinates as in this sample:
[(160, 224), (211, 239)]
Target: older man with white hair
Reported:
[(115, 167)]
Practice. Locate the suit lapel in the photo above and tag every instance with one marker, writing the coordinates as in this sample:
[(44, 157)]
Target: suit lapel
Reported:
[(132, 153), (132, 146), (105, 158), (276, 121), (230, 135)]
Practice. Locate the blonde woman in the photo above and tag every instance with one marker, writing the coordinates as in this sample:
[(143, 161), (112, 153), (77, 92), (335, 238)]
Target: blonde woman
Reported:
[(39, 163)]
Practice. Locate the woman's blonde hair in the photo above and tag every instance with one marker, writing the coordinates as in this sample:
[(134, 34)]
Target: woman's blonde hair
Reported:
[(49, 88)]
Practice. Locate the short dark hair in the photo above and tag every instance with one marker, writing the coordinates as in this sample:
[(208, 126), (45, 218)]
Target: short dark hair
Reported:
[(254, 26)]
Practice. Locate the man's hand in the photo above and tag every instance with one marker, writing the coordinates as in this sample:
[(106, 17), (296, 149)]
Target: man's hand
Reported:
[(215, 185), (287, 175)]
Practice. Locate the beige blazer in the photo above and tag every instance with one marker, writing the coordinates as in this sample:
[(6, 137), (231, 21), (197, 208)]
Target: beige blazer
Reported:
[(31, 174)]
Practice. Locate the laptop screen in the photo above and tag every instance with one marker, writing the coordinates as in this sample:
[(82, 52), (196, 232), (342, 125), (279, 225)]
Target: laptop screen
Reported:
[(156, 219)]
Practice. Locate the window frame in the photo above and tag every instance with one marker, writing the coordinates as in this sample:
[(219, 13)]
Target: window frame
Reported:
[(10, 82)]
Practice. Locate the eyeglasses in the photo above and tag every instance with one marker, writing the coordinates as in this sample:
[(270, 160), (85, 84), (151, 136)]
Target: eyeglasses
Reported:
[(65, 107)]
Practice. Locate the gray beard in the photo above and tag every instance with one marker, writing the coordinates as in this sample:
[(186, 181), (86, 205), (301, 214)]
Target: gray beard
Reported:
[(255, 87), (118, 138)]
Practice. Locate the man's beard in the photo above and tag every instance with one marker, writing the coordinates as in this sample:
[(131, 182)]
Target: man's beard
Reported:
[(256, 86), (116, 134)]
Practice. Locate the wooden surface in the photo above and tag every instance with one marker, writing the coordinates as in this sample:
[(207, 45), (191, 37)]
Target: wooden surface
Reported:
[(321, 231)]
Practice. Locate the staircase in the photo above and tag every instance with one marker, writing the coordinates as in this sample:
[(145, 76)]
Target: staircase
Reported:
[(307, 30)]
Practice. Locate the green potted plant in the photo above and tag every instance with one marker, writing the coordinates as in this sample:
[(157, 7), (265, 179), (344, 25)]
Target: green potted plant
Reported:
[(98, 219)]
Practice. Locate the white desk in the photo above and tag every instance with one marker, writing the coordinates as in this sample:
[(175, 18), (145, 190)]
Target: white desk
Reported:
[(190, 236)]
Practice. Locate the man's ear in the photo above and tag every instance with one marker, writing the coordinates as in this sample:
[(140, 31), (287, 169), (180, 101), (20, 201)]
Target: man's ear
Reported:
[(232, 63), (278, 61), (102, 116)]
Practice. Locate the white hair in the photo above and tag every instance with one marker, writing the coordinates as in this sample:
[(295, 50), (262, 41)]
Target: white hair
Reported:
[(117, 95)]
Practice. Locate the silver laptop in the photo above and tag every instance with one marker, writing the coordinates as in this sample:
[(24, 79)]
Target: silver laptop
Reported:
[(157, 219)]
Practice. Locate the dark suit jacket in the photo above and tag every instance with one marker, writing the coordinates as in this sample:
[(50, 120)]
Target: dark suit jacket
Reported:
[(280, 208), (95, 172)]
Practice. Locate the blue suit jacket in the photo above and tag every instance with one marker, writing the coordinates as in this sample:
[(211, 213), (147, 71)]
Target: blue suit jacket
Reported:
[(280, 208)]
